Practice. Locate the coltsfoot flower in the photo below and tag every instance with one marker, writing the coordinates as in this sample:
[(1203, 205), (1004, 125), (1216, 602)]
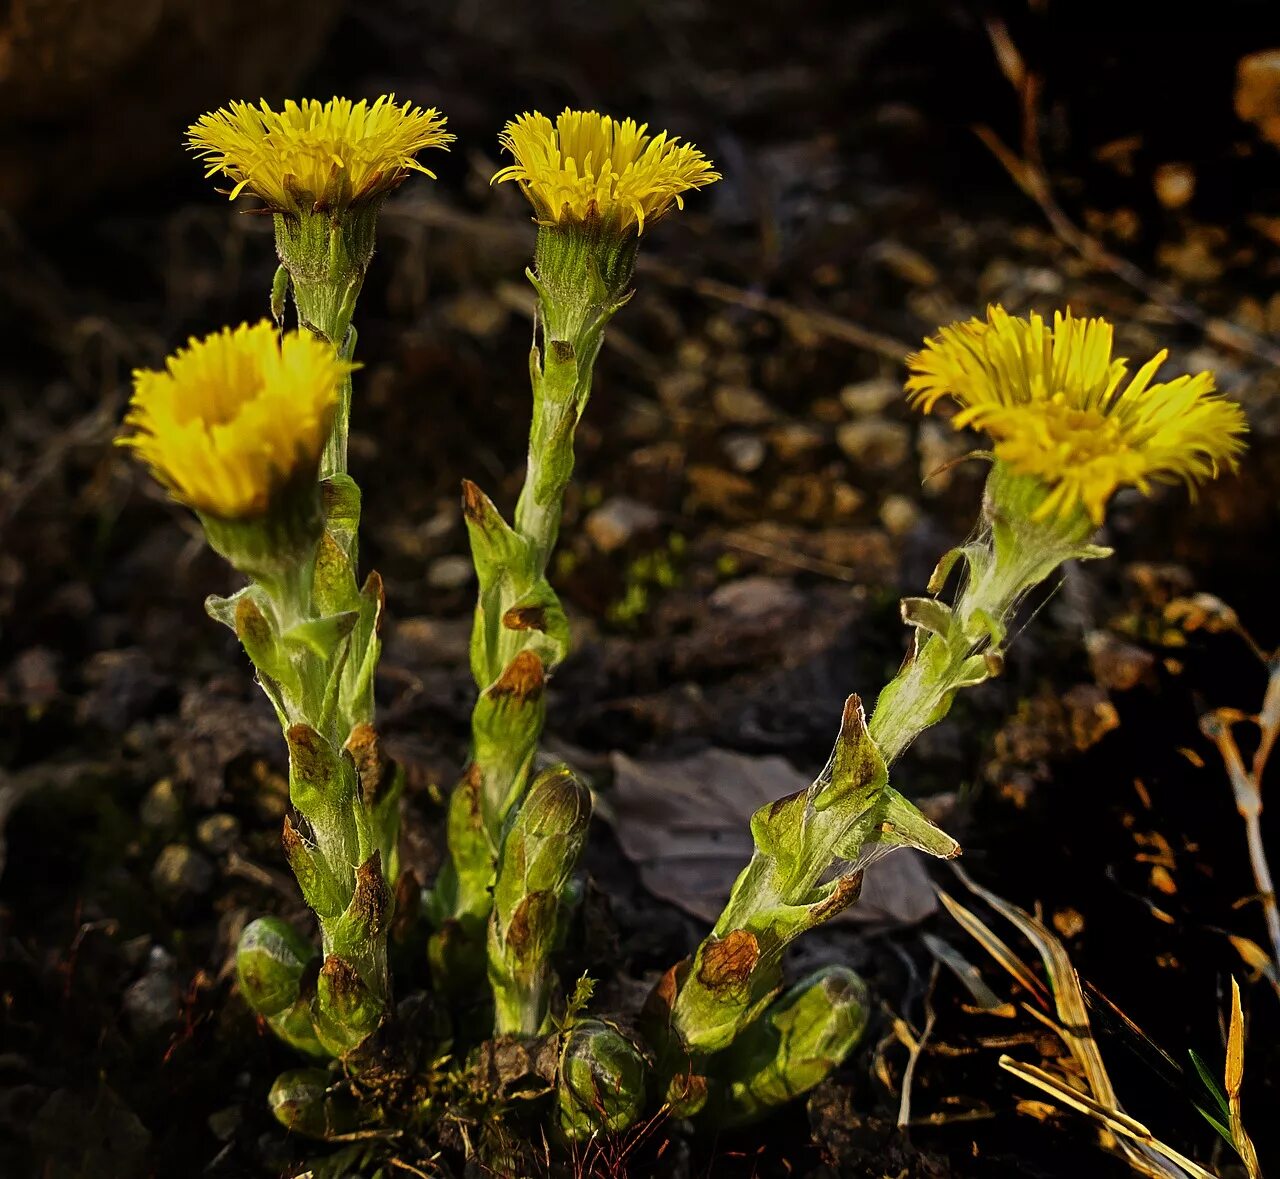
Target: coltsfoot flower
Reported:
[(235, 418), (317, 157), (587, 165), (1060, 409)]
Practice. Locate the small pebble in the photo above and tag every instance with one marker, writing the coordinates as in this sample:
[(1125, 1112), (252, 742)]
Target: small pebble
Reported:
[(476, 314), (36, 674), (720, 491), (224, 1123), (680, 389), (181, 872), (868, 398), (875, 444), (218, 833), (135, 950), (618, 521), (450, 573), (741, 406), (746, 452), (845, 498), (151, 1003), (445, 641), (161, 810), (794, 440), (751, 598), (1258, 91), (899, 514)]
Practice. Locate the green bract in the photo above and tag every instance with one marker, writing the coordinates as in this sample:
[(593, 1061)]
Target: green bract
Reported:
[(581, 276)]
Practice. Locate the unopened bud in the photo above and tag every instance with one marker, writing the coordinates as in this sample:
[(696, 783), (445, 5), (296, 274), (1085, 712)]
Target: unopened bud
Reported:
[(270, 961), (539, 855), (302, 1102), (798, 1042), (603, 1081)]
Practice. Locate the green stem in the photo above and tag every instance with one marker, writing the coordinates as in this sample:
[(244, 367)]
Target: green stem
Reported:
[(334, 459), (581, 276), (315, 646), (327, 257), (911, 701)]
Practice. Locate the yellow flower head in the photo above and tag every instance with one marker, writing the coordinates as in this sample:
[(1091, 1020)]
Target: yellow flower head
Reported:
[(587, 165), (234, 418), (317, 156), (1059, 408)]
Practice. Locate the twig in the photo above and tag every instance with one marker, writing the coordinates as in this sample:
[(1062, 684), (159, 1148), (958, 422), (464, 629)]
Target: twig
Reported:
[(914, 1048), (757, 547), (806, 318), (1246, 786), (1028, 172)]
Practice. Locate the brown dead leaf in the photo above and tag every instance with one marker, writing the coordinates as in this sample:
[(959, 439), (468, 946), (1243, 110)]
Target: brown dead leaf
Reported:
[(685, 825)]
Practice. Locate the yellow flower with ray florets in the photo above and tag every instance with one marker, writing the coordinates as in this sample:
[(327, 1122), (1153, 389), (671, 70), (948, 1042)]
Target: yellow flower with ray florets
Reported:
[(237, 417), (589, 165), (317, 157), (1062, 410)]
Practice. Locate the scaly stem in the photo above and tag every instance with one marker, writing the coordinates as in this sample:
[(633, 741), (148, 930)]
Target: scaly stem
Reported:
[(313, 634), (926, 683), (520, 633), (326, 258)]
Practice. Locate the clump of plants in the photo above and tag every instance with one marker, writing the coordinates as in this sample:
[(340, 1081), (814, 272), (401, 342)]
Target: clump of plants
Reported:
[(248, 428)]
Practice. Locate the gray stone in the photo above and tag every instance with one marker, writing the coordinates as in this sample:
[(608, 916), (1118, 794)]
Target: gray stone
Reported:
[(756, 597), (875, 444), (450, 573), (618, 521), (746, 452), (151, 1003), (868, 398)]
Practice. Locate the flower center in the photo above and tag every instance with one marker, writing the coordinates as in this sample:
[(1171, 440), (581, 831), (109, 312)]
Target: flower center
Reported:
[(1081, 435)]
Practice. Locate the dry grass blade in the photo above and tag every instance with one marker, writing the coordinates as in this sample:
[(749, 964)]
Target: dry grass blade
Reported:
[(973, 925), (967, 973), (1076, 1033), (1234, 1080), (1128, 1129)]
